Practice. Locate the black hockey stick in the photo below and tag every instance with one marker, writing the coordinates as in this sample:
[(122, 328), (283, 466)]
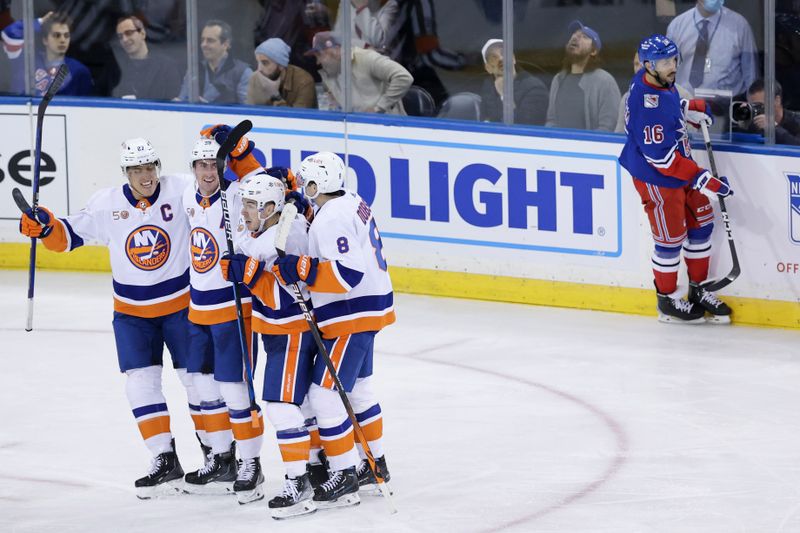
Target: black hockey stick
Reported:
[(234, 137), (726, 220), (51, 91), (288, 215)]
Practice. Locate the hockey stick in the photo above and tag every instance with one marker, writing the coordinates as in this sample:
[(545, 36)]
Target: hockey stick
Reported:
[(51, 91), (284, 226), (230, 143), (726, 220)]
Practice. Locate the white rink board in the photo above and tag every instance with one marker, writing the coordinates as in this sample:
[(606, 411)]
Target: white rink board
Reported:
[(464, 201)]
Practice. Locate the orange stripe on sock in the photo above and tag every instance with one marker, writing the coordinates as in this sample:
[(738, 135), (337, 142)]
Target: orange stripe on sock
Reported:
[(198, 422), (373, 430), (314, 436), (216, 422), (295, 451), (338, 446), (245, 430), (154, 426), (290, 368), (336, 358)]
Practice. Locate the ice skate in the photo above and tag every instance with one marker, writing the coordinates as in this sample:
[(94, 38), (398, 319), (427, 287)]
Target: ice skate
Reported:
[(249, 484), (216, 477), (296, 499), (165, 477), (341, 490), (673, 309), (366, 479), (718, 310)]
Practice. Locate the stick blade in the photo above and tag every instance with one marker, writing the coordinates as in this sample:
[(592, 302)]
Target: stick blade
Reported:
[(58, 81), (20, 200)]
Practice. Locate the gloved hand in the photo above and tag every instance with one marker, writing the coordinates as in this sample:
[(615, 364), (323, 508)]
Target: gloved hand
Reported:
[(302, 204), (240, 268), (220, 132), (291, 269), (696, 111), (707, 184), (39, 227), (285, 175)]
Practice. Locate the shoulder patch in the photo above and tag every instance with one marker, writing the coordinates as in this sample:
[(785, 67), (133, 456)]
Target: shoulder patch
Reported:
[(651, 101)]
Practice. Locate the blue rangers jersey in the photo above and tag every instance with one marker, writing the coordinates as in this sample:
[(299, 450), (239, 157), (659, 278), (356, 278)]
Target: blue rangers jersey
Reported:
[(657, 150)]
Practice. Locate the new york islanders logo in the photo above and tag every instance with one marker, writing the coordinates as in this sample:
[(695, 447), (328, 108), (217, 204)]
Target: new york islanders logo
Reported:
[(148, 247), (794, 207), (205, 251)]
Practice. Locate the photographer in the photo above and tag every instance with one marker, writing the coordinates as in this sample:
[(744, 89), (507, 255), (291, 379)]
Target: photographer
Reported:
[(751, 118)]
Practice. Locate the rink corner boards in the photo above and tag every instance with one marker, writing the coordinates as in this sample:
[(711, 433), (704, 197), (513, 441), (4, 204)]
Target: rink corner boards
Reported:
[(747, 311)]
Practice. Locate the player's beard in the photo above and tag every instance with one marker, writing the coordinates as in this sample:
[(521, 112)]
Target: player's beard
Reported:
[(576, 57)]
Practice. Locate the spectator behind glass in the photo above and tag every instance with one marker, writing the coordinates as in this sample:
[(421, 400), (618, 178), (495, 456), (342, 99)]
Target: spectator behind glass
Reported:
[(287, 20), (143, 73), (223, 79), (583, 95), (54, 29), (413, 42), (685, 93), (378, 84), (278, 83), (530, 93), (370, 24), (717, 48), (787, 123)]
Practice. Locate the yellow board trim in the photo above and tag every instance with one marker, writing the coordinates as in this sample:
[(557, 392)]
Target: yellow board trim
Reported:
[(749, 311)]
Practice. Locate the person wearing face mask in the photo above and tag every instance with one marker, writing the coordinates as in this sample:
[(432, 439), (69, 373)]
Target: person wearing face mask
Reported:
[(278, 83), (718, 48)]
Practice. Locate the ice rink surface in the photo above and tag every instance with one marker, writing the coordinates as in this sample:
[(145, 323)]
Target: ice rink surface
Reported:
[(498, 417)]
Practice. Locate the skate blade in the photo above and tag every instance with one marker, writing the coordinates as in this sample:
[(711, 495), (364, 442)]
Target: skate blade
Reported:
[(347, 500), (371, 489), (213, 488), (169, 488), (719, 319), (667, 319), (249, 496), (298, 509)]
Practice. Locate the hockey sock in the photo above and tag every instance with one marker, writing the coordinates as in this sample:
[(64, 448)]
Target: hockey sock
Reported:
[(216, 422), (335, 429), (195, 409), (666, 261), (143, 388), (697, 255), (293, 439), (313, 431), (368, 414), (248, 438)]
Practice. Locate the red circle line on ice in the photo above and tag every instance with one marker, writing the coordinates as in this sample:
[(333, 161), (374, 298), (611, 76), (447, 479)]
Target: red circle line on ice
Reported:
[(148, 247)]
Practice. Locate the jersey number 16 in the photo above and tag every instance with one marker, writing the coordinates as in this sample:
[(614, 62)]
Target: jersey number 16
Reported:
[(654, 134)]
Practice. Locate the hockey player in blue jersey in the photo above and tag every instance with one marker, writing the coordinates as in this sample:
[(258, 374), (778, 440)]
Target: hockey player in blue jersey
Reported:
[(674, 190)]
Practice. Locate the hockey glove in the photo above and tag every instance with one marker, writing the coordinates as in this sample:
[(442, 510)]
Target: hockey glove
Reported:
[(302, 204), (240, 268), (39, 227), (220, 132), (285, 175), (712, 187), (291, 269), (696, 111)]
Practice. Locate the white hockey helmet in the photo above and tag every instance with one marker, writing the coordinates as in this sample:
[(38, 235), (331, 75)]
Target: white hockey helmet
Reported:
[(263, 189), (325, 169), (204, 148), (138, 151)]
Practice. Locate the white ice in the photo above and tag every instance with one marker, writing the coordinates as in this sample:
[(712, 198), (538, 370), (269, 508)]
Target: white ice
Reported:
[(498, 417)]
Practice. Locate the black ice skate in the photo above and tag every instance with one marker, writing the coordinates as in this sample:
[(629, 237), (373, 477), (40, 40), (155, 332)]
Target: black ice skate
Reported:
[(295, 500), (249, 482), (719, 310), (366, 479), (216, 477), (673, 309), (341, 490), (205, 449), (318, 472), (165, 477)]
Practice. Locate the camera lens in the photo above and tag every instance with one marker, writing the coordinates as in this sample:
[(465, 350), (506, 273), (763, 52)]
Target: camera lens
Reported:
[(757, 108), (741, 111)]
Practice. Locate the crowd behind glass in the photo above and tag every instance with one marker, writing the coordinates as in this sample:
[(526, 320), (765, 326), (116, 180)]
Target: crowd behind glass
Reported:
[(571, 60)]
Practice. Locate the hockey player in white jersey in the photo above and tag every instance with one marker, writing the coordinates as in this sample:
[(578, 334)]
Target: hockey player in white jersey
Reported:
[(351, 292), (146, 230), (289, 345), (215, 352)]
